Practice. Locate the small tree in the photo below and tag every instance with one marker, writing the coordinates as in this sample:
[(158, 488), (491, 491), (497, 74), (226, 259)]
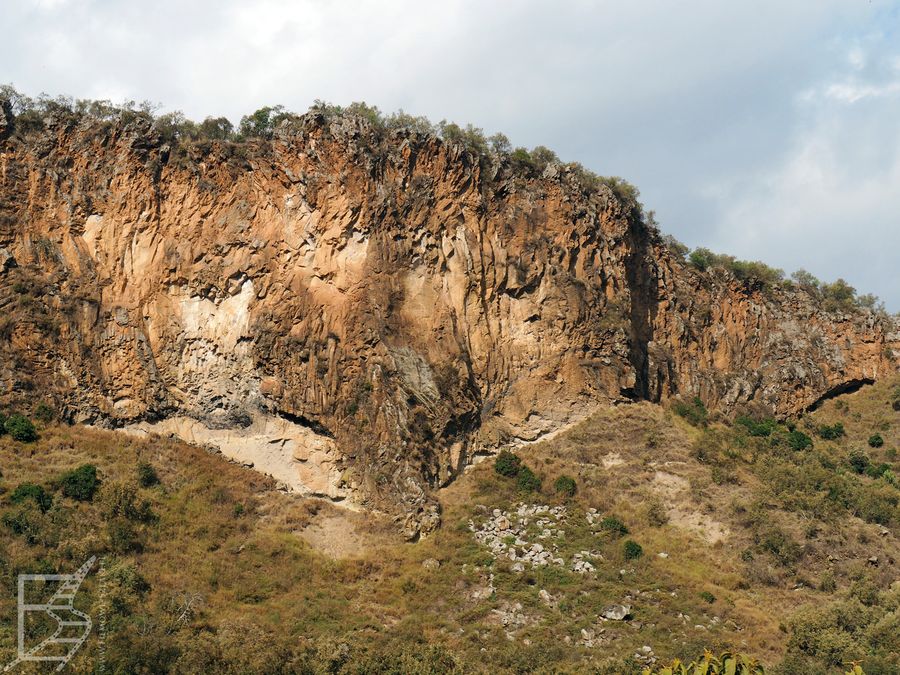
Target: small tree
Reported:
[(859, 461), (527, 480), (507, 464), (262, 122), (44, 413), (34, 492), (702, 258), (81, 483), (797, 440), (20, 428), (216, 128)]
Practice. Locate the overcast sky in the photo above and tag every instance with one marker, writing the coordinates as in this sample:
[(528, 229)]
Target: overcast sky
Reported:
[(762, 128)]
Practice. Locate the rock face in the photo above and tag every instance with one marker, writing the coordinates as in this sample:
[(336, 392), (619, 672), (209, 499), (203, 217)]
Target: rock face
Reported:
[(373, 308)]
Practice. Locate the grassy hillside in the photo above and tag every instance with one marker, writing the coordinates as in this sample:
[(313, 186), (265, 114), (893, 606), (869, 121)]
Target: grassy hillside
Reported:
[(715, 535)]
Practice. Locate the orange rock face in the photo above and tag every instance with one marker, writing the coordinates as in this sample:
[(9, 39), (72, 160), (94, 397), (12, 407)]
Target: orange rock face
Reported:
[(398, 305)]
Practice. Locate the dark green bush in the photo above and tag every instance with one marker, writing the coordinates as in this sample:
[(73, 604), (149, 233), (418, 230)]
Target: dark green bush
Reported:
[(81, 483), (757, 427), (20, 428), (147, 476), (34, 492), (614, 526), (2, 424), (877, 470), (565, 485), (708, 597), (797, 440), (693, 411), (44, 413), (632, 549), (876, 441), (527, 480), (831, 432), (859, 461), (507, 464)]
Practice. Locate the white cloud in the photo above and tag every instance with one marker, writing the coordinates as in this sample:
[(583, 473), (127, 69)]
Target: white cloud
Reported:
[(697, 102), (851, 92)]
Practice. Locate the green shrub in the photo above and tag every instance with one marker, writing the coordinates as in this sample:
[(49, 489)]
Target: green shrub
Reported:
[(44, 413), (20, 428), (81, 483), (757, 428), (838, 296), (34, 492), (877, 470), (693, 411), (147, 476), (701, 258), (706, 596), (632, 550), (565, 485), (614, 526), (783, 548), (798, 441), (875, 503), (831, 432), (507, 464), (859, 461), (2, 424), (876, 441), (744, 270), (527, 480)]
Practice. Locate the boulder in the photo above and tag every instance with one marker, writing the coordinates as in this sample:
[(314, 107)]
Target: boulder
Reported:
[(616, 612)]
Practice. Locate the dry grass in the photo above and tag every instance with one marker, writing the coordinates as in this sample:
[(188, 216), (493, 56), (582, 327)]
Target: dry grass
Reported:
[(356, 597)]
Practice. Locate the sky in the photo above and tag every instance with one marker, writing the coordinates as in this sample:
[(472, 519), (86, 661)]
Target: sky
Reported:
[(766, 129)]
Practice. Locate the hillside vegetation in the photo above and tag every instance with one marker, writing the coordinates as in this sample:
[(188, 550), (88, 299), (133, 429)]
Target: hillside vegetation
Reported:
[(641, 535)]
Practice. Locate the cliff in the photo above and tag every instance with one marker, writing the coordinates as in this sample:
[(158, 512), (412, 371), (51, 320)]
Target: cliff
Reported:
[(361, 312)]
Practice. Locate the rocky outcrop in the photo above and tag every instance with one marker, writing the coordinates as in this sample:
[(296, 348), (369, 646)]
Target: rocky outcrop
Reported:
[(381, 306)]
